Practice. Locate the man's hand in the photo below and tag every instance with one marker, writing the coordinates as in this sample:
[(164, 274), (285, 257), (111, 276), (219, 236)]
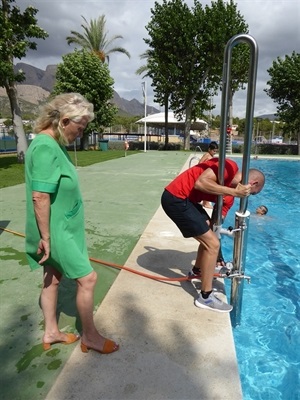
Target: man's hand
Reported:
[(242, 190), (44, 247)]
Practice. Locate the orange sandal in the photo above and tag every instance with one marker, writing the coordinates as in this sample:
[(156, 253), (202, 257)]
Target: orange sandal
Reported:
[(109, 347), (71, 338)]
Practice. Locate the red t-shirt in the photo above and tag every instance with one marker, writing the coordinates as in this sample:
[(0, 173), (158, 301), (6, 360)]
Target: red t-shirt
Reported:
[(183, 185)]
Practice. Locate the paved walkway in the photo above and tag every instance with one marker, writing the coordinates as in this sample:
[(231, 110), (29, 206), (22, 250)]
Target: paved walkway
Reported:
[(169, 349)]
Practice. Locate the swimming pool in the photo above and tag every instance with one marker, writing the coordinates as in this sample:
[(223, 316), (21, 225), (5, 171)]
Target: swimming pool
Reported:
[(268, 339)]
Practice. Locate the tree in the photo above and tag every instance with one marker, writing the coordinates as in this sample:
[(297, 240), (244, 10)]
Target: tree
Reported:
[(284, 89), (16, 31), (223, 22), (127, 122), (188, 65), (82, 73), (172, 20), (95, 39), (143, 70)]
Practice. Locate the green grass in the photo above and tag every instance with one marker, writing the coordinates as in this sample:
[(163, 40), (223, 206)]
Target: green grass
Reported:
[(12, 173)]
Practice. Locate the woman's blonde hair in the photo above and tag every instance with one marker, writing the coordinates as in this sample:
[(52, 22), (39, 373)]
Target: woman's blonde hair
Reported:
[(68, 105)]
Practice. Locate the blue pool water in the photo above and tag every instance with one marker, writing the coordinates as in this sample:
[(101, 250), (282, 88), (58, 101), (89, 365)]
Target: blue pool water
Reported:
[(268, 338)]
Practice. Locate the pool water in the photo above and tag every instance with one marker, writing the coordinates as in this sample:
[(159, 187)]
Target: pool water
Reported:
[(268, 338)]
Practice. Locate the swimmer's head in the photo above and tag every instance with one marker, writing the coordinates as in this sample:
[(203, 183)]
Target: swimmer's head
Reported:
[(261, 210)]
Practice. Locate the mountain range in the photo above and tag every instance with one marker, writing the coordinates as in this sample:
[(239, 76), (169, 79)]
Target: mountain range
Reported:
[(38, 85)]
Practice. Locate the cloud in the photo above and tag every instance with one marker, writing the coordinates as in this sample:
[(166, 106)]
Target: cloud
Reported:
[(273, 23)]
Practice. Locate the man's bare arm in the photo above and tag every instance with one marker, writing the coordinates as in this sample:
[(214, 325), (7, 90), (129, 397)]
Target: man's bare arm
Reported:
[(207, 183)]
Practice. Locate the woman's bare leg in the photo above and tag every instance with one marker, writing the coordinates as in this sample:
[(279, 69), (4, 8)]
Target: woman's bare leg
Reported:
[(85, 305), (49, 303)]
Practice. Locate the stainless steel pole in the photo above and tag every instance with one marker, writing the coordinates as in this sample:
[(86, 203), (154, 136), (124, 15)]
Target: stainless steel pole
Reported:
[(242, 216)]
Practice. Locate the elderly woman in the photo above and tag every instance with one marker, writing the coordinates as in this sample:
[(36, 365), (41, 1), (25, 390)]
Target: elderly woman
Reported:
[(55, 236)]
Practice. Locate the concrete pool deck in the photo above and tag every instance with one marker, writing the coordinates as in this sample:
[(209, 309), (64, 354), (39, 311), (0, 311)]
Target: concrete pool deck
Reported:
[(169, 349)]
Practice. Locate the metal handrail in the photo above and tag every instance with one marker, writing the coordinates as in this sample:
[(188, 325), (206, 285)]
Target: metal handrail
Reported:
[(241, 38), (242, 216), (194, 156)]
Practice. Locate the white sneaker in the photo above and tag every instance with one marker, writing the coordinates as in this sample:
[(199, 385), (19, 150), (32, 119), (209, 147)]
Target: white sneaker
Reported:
[(212, 303)]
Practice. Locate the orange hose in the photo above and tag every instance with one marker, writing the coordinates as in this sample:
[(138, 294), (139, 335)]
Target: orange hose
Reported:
[(109, 264), (13, 232), (155, 277)]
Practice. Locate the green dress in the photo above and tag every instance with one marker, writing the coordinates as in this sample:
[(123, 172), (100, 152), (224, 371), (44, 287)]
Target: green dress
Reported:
[(48, 169)]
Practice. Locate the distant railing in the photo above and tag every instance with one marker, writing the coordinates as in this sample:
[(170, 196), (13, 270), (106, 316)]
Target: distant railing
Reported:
[(8, 145)]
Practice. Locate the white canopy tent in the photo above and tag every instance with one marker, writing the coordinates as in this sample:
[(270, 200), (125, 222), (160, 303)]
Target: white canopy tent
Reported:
[(158, 121)]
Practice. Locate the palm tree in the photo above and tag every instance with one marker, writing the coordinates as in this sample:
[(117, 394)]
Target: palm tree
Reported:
[(95, 39), (144, 68)]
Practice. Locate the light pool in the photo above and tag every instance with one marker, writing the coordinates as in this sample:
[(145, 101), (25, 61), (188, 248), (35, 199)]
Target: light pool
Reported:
[(268, 339)]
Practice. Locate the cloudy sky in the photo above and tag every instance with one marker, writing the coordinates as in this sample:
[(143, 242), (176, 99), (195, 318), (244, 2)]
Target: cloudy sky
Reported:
[(274, 24)]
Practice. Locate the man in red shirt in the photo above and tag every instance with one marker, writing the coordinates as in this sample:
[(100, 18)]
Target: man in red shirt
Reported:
[(180, 201)]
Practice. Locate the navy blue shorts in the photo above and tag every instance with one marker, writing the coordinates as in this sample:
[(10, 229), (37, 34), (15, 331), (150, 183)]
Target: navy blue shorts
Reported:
[(190, 218)]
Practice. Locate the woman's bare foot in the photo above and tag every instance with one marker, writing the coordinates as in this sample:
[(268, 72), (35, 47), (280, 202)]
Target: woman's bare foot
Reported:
[(59, 337)]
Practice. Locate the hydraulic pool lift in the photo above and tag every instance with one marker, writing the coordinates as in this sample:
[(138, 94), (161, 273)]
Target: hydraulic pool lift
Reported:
[(242, 216)]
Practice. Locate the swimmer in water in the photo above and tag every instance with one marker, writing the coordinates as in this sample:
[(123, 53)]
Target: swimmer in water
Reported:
[(261, 210)]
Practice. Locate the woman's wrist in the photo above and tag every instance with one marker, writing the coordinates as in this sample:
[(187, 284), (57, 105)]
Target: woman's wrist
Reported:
[(45, 238)]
